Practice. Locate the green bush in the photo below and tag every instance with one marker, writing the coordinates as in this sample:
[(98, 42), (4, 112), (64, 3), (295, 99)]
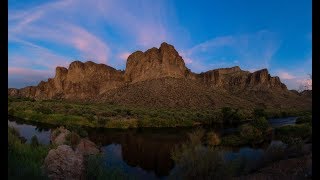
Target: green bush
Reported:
[(233, 140), (101, 122), (44, 110), (261, 123), (250, 134), (299, 130), (232, 116), (258, 112), (304, 119), (194, 161)]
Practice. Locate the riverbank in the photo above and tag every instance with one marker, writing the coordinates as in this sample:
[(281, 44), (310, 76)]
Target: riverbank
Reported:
[(150, 149), (114, 116)]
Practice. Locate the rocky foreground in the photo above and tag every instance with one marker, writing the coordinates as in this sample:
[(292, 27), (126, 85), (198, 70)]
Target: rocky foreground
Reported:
[(67, 160), (160, 78)]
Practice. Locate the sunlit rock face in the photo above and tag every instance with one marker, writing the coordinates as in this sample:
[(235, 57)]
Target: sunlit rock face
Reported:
[(139, 83), (155, 63)]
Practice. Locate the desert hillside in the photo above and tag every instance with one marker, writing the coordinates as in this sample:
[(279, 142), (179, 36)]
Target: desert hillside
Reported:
[(160, 78)]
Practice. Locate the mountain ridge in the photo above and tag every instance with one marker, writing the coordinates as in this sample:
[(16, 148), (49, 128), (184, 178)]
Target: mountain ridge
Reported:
[(89, 81)]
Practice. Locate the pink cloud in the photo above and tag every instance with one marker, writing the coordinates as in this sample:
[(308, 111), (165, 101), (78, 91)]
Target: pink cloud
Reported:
[(148, 29), (25, 72), (124, 56), (285, 75), (33, 24)]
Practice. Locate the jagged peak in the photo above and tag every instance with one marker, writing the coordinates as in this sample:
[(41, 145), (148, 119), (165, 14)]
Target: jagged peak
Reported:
[(165, 45), (262, 70), (75, 64)]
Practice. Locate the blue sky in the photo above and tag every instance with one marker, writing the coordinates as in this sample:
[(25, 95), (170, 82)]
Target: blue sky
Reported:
[(273, 34)]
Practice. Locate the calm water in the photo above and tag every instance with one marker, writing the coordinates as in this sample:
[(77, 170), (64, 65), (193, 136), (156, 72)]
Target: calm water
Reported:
[(142, 153)]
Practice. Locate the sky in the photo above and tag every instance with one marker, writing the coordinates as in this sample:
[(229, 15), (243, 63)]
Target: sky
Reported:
[(272, 34)]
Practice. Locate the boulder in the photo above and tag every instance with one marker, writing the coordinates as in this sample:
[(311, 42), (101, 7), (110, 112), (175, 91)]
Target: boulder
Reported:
[(87, 147), (64, 163), (58, 136)]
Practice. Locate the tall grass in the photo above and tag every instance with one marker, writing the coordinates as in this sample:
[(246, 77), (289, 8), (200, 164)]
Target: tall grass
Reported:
[(25, 160), (195, 161)]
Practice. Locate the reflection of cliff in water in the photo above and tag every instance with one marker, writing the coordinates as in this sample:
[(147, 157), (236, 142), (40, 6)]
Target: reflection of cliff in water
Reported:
[(148, 149)]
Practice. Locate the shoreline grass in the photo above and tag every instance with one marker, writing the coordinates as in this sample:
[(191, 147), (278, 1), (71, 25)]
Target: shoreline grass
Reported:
[(101, 115)]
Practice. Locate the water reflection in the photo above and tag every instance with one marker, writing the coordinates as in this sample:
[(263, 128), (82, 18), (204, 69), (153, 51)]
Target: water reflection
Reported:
[(142, 153), (27, 131), (149, 149)]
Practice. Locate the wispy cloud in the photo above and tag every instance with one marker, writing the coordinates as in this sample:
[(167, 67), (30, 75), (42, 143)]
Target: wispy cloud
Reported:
[(26, 72), (253, 51), (36, 56), (39, 24), (143, 20), (124, 56), (285, 75)]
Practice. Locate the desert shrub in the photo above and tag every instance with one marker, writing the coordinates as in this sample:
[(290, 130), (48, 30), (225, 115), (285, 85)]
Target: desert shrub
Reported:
[(34, 141), (194, 161), (233, 140), (232, 116), (258, 112), (11, 111), (101, 122), (43, 110), (72, 139), (261, 123), (216, 118), (90, 117), (299, 130), (226, 113), (213, 139), (304, 119), (250, 134)]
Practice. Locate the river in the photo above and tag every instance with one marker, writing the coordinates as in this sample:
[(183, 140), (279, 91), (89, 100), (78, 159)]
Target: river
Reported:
[(144, 153)]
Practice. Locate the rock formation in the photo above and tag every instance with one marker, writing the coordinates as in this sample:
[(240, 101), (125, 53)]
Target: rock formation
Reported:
[(58, 136), (144, 70), (64, 163), (155, 63), (85, 146)]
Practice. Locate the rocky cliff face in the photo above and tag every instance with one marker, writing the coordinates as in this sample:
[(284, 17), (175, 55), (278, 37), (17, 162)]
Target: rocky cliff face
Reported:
[(99, 82), (79, 81), (155, 63)]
